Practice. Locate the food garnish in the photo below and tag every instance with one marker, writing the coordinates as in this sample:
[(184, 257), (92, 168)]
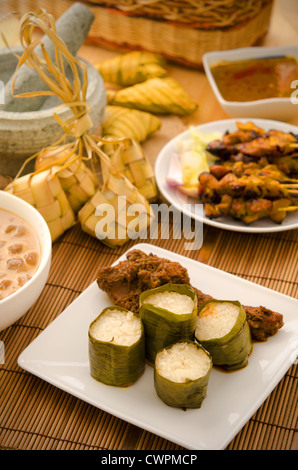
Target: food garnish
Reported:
[(190, 159), (252, 175)]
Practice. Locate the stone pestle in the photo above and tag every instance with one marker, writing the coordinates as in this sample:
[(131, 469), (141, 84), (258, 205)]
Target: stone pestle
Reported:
[(72, 27)]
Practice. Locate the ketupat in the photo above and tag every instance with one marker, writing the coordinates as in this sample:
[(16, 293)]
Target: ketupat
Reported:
[(120, 121), (130, 160), (43, 190), (77, 180), (131, 68), (156, 95), (108, 215)]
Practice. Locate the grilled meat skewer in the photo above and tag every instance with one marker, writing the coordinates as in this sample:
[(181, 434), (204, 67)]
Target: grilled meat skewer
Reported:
[(272, 144), (253, 168), (248, 186), (248, 198), (251, 210)]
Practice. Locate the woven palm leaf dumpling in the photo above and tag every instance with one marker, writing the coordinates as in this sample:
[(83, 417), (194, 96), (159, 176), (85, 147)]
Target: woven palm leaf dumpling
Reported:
[(44, 191), (77, 179), (141, 89), (120, 121), (160, 95), (131, 68), (63, 186)]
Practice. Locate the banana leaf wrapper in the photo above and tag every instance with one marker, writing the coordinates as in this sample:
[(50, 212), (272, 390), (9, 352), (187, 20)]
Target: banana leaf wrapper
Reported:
[(114, 364), (232, 350), (163, 327), (188, 394)]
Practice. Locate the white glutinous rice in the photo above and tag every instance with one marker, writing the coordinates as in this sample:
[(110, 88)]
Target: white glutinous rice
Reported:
[(117, 327), (182, 362), (172, 301), (215, 320)]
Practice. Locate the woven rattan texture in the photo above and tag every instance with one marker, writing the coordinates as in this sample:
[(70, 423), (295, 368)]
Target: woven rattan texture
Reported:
[(116, 29), (35, 415), (202, 13)]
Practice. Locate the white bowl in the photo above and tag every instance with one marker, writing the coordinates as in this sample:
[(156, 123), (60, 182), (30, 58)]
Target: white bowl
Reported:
[(282, 109), (17, 304)]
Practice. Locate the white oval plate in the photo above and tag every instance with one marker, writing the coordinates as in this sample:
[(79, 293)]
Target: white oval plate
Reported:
[(186, 205)]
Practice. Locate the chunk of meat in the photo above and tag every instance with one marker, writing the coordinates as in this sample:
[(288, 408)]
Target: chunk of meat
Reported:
[(139, 272), (125, 282), (263, 322)]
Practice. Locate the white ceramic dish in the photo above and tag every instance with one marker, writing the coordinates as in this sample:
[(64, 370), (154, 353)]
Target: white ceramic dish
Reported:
[(59, 355), (182, 202), (275, 108), (13, 307)]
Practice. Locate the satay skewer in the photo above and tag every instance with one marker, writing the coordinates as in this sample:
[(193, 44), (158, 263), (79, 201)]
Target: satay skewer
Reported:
[(288, 209)]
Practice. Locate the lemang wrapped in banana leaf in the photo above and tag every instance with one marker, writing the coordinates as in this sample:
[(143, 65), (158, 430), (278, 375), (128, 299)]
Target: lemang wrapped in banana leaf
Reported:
[(157, 96), (223, 330), (133, 67), (169, 314), (181, 374), (116, 347)]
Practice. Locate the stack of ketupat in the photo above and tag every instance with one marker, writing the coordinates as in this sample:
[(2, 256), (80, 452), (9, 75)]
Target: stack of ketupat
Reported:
[(144, 90), (65, 189), (62, 187), (44, 191)]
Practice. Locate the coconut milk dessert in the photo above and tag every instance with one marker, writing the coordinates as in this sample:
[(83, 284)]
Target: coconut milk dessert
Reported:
[(19, 253)]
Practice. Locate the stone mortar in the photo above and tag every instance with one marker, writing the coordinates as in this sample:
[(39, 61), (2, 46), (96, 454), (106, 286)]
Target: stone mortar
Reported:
[(24, 134)]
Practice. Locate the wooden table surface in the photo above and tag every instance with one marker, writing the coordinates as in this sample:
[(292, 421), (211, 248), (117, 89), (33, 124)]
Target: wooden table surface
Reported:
[(37, 415)]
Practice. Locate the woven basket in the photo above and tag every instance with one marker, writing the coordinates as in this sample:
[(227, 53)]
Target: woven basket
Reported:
[(183, 41)]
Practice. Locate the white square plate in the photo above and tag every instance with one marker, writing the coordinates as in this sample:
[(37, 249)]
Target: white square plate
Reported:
[(59, 355)]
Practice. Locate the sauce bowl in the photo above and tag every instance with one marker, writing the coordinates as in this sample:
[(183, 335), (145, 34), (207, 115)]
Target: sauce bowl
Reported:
[(13, 307), (281, 109)]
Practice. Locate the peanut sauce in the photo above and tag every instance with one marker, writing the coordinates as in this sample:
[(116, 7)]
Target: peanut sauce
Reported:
[(256, 79), (19, 253)]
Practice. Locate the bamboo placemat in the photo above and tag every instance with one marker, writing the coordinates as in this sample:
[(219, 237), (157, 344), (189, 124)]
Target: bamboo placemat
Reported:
[(35, 415)]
